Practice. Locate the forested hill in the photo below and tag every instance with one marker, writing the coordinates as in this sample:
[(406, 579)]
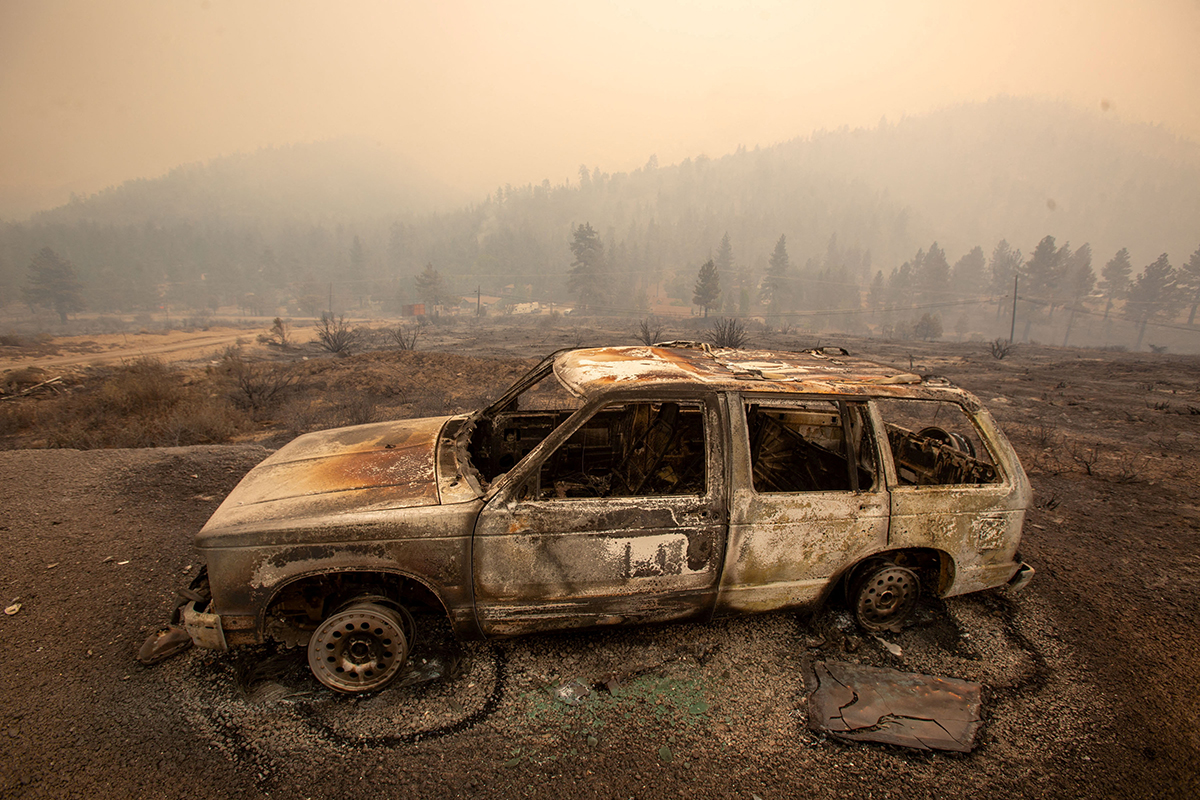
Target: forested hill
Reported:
[(323, 182), (850, 203)]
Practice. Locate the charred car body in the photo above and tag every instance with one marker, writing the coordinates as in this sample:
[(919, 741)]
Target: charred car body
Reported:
[(616, 485)]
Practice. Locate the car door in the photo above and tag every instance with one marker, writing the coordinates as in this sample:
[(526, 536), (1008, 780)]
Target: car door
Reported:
[(808, 498), (619, 516)]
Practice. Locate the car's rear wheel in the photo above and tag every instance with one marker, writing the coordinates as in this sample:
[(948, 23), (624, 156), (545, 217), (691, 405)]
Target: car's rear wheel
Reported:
[(883, 595), (360, 647)]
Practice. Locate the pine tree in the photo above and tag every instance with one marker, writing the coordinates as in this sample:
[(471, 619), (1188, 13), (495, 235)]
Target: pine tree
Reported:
[(1043, 270), (969, 275), (934, 276), (1189, 278), (724, 264), (1078, 281), (900, 284), (431, 288), (1153, 295), (774, 289), (875, 296), (1115, 278), (1004, 265), (708, 286), (587, 280), (52, 284)]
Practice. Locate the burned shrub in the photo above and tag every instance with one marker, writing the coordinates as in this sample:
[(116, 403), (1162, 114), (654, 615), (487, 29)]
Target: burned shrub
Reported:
[(650, 331), (143, 404), (336, 335), (255, 385), (404, 337), (728, 333), (1001, 348)]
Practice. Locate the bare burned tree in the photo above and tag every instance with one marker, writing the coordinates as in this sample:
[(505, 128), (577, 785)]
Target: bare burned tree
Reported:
[(1001, 348)]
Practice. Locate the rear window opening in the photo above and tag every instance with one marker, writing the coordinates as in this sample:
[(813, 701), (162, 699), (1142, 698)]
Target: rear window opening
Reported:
[(936, 443)]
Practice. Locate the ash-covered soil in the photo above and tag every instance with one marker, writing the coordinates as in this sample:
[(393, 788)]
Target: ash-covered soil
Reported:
[(1089, 675)]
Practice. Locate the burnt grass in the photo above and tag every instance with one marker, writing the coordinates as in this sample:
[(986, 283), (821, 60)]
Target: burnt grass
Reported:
[(1089, 675)]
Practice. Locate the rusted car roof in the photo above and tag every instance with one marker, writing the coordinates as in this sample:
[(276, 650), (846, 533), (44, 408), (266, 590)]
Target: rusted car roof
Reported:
[(591, 371)]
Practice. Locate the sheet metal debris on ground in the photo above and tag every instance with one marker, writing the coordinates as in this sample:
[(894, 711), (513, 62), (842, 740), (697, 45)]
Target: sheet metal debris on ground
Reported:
[(853, 701)]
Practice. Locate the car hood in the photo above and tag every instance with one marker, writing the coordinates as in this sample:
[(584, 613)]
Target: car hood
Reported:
[(322, 475)]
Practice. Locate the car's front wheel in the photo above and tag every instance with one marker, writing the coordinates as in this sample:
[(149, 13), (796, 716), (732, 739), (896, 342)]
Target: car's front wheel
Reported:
[(360, 647)]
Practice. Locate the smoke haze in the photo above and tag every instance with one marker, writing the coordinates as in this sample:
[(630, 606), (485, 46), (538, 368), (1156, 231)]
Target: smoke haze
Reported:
[(481, 94)]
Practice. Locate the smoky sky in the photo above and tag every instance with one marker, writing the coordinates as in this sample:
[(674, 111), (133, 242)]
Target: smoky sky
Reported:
[(485, 93)]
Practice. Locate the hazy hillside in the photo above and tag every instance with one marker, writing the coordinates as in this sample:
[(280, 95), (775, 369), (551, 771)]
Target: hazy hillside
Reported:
[(851, 203), (338, 181), (1020, 169)]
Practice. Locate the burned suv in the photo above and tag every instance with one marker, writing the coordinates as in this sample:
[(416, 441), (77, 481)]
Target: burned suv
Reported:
[(610, 486)]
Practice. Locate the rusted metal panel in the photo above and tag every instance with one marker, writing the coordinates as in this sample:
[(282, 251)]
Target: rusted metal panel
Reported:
[(431, 545), (205, 629), (364, 468), (588, 372), (861, 703)]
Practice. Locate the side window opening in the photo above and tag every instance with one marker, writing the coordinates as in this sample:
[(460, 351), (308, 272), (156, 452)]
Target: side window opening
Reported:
[(935, 443), (802, 447), (630, 449)]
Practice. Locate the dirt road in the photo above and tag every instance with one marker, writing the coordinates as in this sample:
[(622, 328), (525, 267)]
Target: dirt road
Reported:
[(1089, 674), (113, 348)]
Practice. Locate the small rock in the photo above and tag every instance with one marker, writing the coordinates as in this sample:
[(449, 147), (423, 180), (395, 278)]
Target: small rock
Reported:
[(891, 647), (665, 755), (573, 693)]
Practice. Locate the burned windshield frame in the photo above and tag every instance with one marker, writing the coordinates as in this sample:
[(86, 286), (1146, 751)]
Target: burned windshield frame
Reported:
[(509, 400)]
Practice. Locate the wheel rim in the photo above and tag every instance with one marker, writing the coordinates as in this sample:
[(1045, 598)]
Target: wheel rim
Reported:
[(359, 648), (886, 597)]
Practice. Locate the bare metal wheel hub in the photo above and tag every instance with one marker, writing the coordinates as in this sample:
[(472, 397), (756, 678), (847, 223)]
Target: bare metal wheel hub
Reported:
[(884, 597), (359, 648)]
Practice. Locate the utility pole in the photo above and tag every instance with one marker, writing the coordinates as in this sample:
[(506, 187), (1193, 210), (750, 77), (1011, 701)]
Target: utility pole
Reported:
[(331, 300), (478, 299), (1013, 330)]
